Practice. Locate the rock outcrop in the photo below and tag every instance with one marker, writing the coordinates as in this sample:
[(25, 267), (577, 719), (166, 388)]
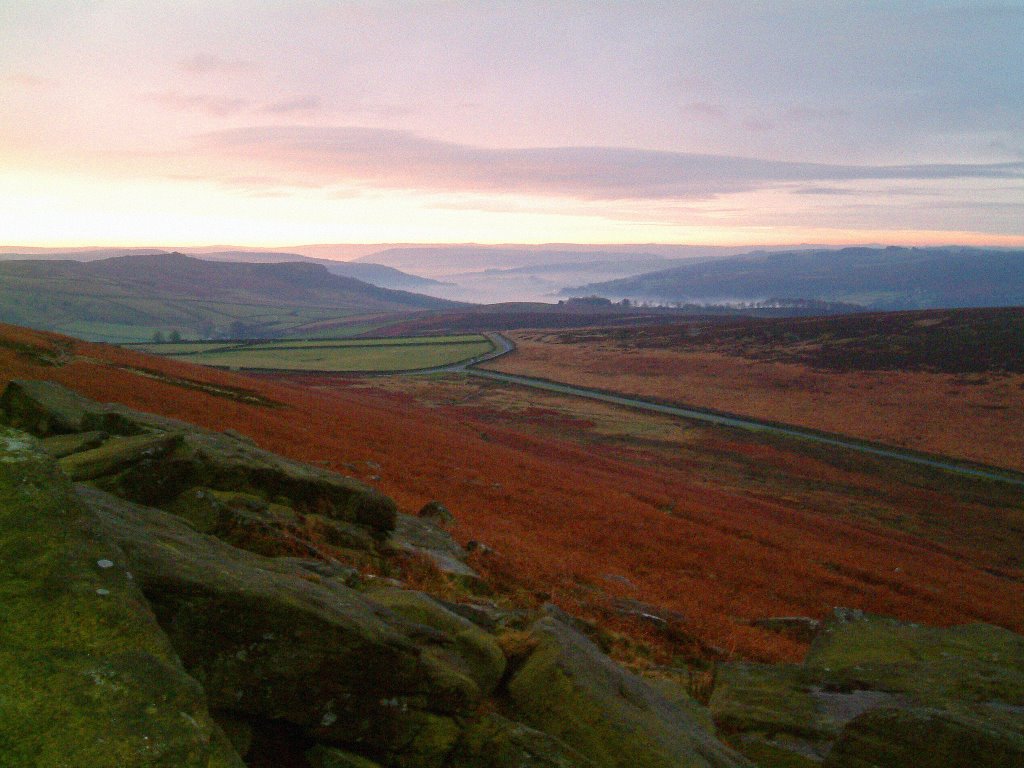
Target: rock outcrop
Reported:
[(194, 598), (87, 676), (874, 691)]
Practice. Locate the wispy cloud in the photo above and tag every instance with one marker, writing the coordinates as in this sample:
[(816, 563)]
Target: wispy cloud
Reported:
[(295, 104), (211, 63), (706, 109), (404, 160), (212, 104)]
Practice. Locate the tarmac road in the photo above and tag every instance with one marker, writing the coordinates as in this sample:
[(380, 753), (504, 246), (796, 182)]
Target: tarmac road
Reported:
[(503, 346)]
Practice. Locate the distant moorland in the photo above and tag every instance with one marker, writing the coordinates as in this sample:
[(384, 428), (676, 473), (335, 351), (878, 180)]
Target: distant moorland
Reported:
[(949, 382), (134, 298), (876, 278)]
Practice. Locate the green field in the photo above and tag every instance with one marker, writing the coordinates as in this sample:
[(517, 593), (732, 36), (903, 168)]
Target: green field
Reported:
[(327, 355)]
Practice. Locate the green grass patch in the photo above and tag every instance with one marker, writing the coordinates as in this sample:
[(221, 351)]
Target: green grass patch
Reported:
[(331, 355)]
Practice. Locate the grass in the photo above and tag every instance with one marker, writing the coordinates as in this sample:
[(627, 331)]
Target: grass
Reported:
[(331, 355)]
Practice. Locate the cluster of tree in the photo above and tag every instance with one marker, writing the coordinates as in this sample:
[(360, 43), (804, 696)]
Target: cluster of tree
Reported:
[(173, 337)]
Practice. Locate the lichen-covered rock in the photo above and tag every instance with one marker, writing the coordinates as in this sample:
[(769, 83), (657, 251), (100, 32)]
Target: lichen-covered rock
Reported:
[(200, 458), (925, 738), (44, 408), (423, 536), (212, 460), (568, 689), (118, 453), (493, 741), (266, 640), (322, 756), (770, 698), (858, 664), (87, 677), (473, 651), (60, 446), (770, 713), (249, 522), (933, 666)]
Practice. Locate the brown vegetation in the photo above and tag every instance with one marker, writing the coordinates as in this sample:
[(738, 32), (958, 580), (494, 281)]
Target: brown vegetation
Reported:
[(964, 400), (563, 517)]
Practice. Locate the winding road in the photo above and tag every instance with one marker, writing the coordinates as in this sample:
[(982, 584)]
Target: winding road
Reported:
[(503, 345)]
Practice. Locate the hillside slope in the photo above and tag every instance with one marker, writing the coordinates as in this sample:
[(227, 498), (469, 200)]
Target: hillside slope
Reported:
[(880, 278), (375, 274), (584, 526), (129, 298)]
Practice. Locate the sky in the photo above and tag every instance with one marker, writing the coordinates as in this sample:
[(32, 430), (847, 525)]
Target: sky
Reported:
[(721, 123)]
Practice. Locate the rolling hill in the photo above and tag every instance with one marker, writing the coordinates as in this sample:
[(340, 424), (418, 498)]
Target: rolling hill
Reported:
[(130, 298), (878, 278), (374, 274)]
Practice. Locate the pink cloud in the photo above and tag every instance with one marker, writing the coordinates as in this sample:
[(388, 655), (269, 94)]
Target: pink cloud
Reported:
[(403, 160)]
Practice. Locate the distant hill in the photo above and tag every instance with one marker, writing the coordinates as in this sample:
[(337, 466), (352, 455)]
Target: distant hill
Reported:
[(877, 278), (21, 253), (130, 298), (374, 274), (447, 260)]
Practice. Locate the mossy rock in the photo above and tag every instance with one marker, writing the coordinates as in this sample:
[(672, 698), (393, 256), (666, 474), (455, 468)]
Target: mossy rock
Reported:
[(568, 689), (770, 699), (424, 537), (117, 454), (212, 460), (323, 756), (925, 738), (779, 750), (238, 730), (932, 666), (247, 521), (675, 692), (426, 742), (466, 646), (60, 446), (44, 408), (862, 663), (87, 677), (199, 458), (493, 741), (266, 641)]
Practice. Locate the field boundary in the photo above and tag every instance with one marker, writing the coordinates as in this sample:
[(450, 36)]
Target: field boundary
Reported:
[(498, 348)]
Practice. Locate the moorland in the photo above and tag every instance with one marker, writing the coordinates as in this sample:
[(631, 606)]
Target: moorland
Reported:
[(948, 382), (874, 278), (705, 557), (718, 526)]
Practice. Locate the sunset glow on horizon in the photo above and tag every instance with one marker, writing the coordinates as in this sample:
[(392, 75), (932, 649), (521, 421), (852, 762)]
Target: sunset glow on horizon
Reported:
[(279, 124)]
